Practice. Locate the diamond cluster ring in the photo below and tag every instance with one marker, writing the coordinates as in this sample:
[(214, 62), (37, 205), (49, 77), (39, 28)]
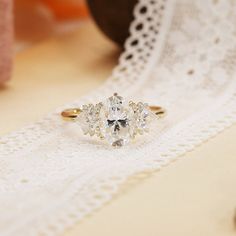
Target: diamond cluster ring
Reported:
[(115, 120)]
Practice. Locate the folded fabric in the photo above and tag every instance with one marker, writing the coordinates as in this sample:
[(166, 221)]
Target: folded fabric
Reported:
[(6, 38)]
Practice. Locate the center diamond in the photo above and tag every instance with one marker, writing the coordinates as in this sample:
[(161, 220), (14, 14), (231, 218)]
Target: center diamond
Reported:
[(115, 120)]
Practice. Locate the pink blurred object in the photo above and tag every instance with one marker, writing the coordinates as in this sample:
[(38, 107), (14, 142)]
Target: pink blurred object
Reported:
[(6, 39)]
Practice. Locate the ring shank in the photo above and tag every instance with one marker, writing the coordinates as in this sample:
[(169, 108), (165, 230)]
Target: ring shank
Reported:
[(157, 110), (71, 114)]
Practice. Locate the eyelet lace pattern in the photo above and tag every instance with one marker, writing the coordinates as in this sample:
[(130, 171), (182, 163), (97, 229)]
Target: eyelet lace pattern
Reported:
[(180, 55)]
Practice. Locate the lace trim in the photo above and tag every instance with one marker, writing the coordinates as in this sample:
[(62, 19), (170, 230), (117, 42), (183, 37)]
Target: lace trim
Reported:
[(95, 194), (98, 187)]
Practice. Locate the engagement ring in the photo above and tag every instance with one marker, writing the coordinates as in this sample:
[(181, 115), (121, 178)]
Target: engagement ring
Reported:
[(114, 120)]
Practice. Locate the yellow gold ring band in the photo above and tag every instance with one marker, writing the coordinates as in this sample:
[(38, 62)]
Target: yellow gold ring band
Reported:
[(72, 113)]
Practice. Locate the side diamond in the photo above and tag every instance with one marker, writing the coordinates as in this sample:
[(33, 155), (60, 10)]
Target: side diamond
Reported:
[(141, 117), (89, 119)]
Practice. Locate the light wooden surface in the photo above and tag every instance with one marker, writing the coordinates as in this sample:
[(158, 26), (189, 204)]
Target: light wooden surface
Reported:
[(195, 195), (53, 73)]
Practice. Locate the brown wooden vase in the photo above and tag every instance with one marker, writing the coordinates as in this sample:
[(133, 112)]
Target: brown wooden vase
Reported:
[(113, 17)]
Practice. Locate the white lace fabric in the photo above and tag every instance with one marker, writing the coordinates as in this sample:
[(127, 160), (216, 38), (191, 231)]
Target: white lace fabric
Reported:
[(180, 55)]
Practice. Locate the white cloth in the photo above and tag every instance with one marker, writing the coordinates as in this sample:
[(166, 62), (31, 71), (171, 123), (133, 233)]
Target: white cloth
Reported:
[(181, 56)]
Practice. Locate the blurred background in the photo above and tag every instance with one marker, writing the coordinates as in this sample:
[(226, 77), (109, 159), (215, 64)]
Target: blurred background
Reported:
[(56, 49), (26, 22), (36, 20)]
